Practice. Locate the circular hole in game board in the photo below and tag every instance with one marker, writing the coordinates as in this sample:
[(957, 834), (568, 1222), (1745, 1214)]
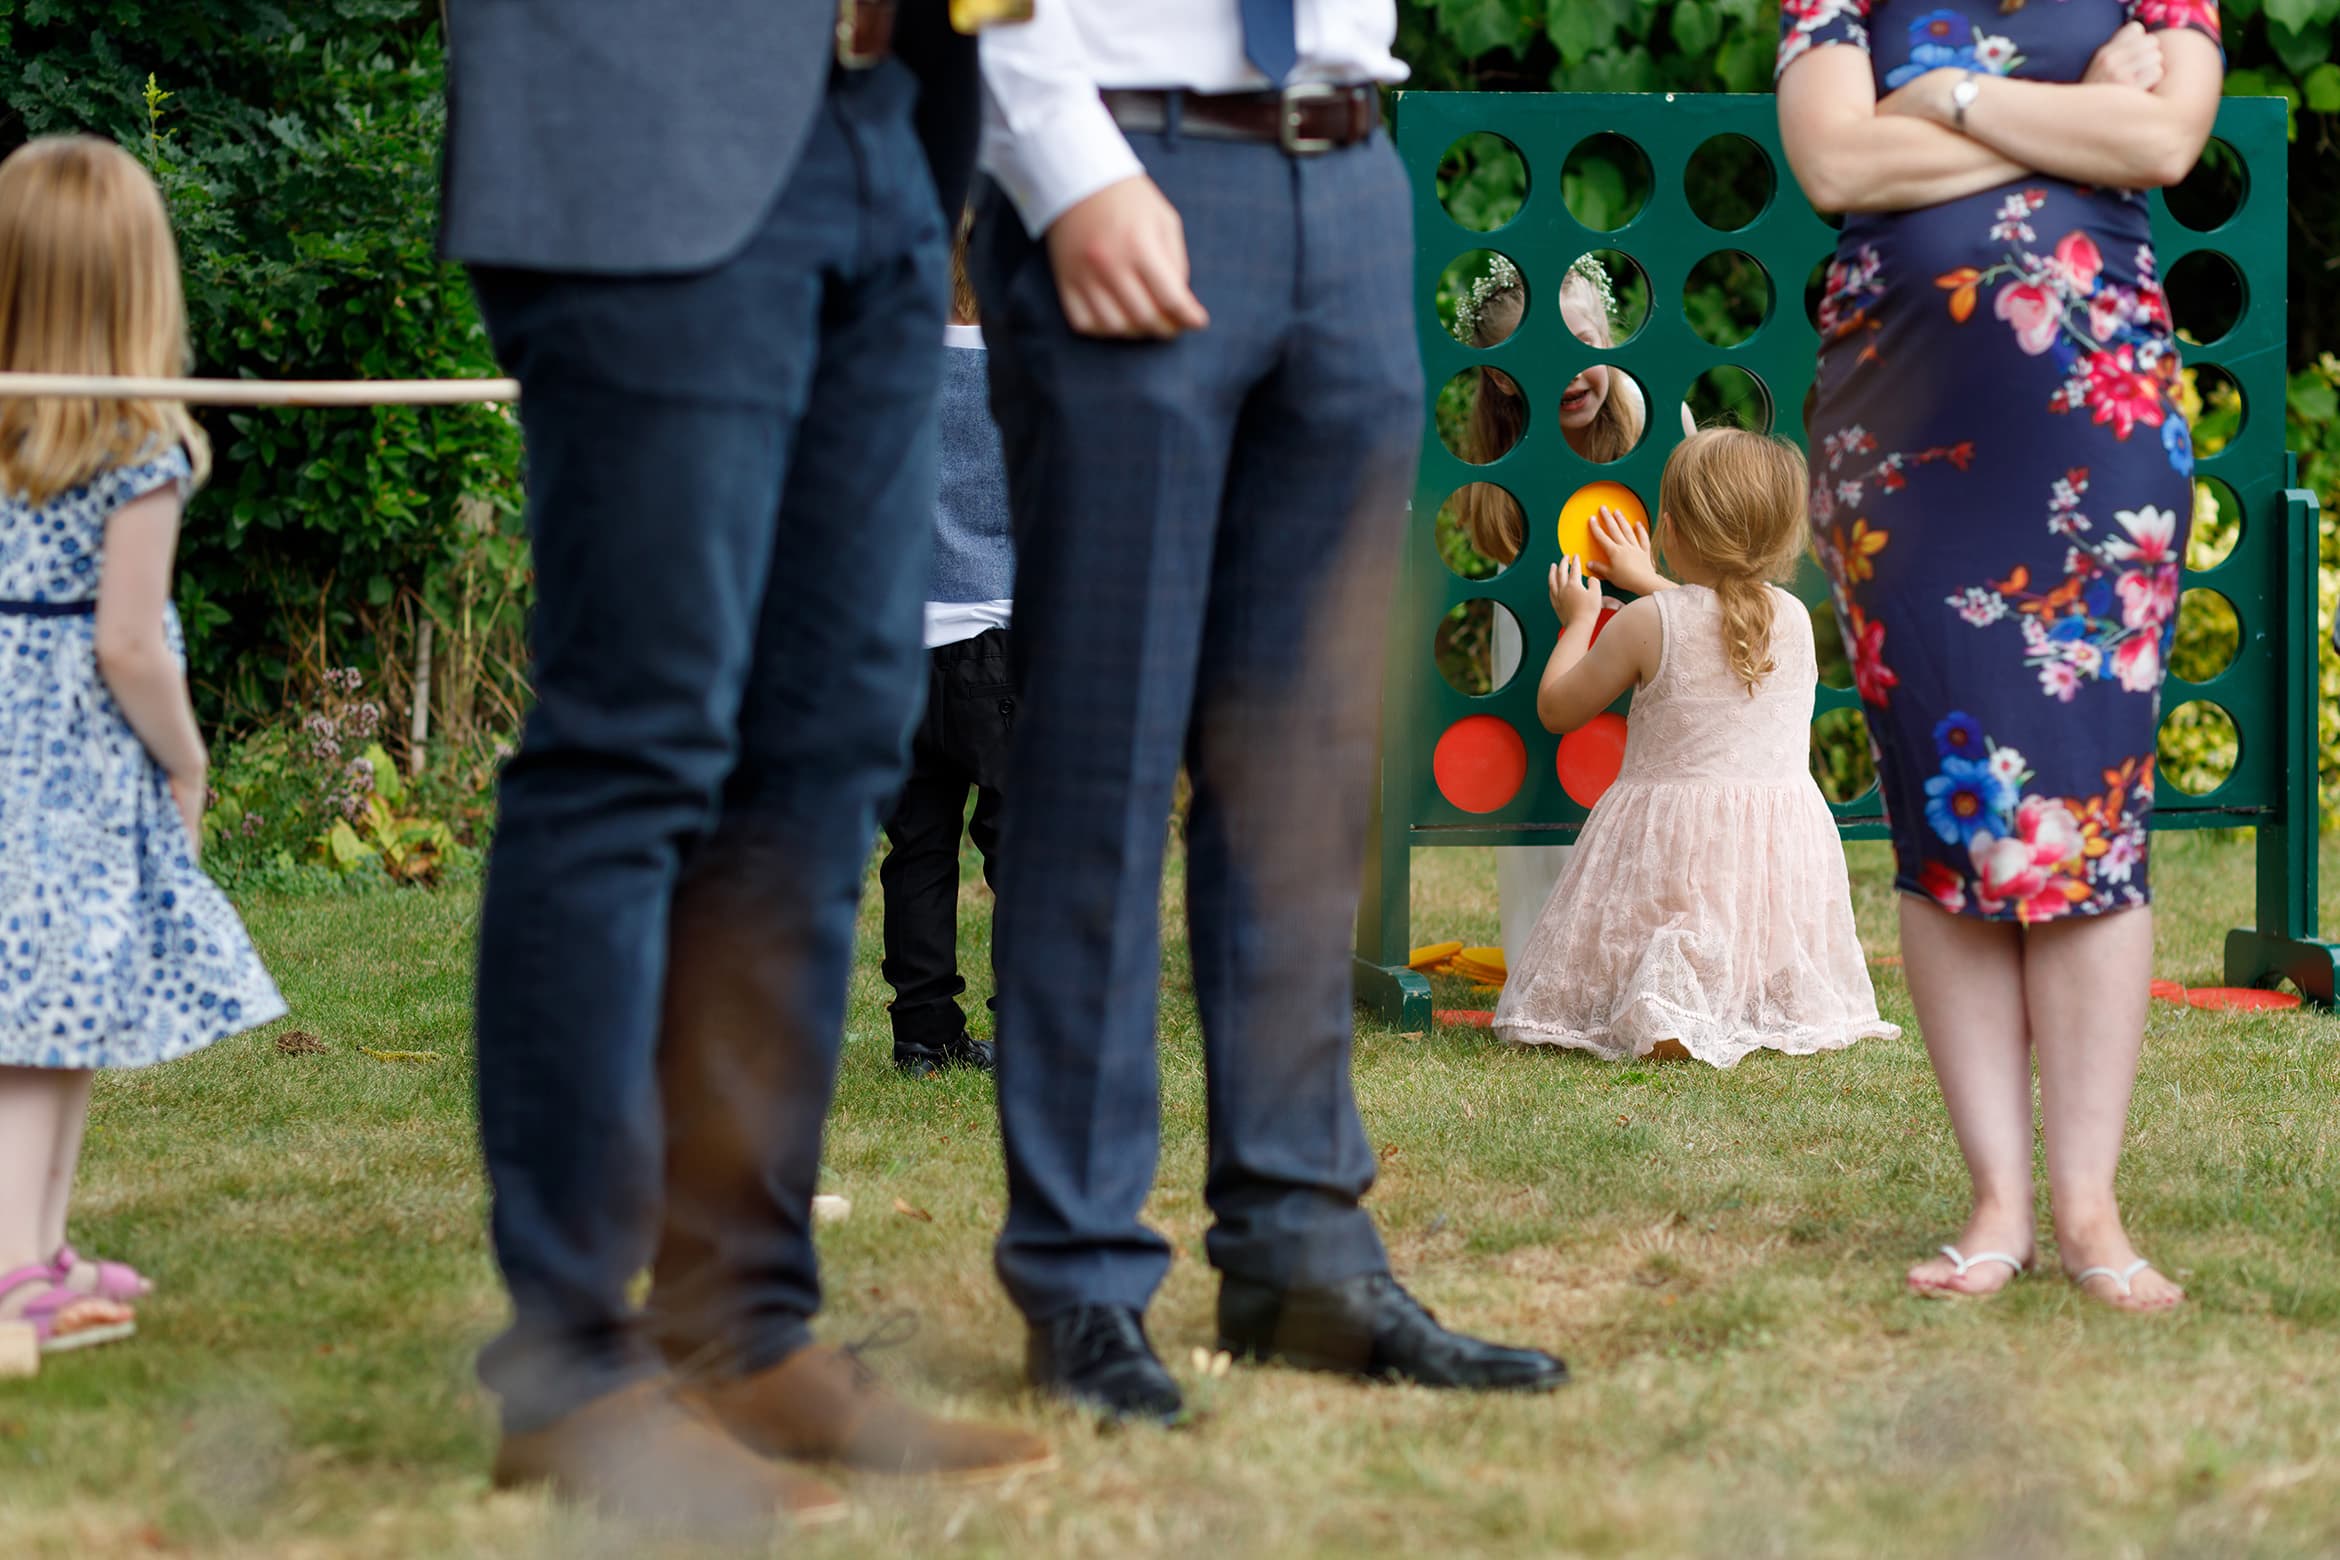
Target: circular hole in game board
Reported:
[(2207, 296), (1479, 764), (2223, 413), (1730, 397), (1828, 645), (1576, 517), (2209, 636), (1481, 298), (1729, 182), (2208, 198), (2218, 525), (1480, 530), (1481, 415), (1603, 413), (1604, 298), (1482, 181), (1590, 757), (2199, 747), (1727, 297), (1842, 764), (1606, 181), (1477, 647)]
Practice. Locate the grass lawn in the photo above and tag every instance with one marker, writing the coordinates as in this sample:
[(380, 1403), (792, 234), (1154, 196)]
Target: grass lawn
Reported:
[(1719, 1255)]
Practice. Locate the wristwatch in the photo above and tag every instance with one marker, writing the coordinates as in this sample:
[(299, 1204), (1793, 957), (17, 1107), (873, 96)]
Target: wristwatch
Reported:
[(1962, 97)]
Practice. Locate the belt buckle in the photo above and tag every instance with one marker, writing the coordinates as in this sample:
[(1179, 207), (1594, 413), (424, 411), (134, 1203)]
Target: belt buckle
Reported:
[(855, 51), (1288, 108)]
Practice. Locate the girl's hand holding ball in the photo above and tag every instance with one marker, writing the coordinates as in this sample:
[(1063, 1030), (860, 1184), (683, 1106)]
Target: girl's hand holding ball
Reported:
[(1628, 563)]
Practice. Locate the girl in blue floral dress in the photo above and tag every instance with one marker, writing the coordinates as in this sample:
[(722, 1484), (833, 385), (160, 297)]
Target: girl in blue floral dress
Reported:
[(115, 949), (2001, 485)]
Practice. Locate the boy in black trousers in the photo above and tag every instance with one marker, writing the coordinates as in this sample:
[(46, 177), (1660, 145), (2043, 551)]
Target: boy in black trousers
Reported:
[(970, 709)]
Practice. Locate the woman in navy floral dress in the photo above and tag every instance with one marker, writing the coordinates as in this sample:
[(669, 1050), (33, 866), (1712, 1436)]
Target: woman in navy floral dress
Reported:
[(2001, 486)]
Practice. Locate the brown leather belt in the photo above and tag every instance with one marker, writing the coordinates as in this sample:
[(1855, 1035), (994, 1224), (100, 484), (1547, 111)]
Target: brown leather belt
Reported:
[(865, 32), (1304, 119)]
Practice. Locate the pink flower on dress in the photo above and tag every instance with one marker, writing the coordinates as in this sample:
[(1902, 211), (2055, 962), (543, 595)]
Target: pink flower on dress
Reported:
[(2033, 311), (1947, 887), (2121, 393), (1875, 680), (2122, 853), (2104, 316), (2148, 598), (2060, 679), (2021, 869), (2137, 663), (2078, 261), (2158, 15), (2152, 537)]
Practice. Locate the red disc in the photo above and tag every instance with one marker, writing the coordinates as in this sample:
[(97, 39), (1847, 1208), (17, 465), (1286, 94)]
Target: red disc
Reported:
[(1601, 623), (1464, 1018), (2241, 999), (2167, 991), (1590, 757), (1480, 763)]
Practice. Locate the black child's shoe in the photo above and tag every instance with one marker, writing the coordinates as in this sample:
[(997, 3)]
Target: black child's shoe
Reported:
[(924, 1061)]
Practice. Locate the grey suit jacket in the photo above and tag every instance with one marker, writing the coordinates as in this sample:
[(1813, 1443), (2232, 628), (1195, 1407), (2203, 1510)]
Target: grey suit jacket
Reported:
[(646, 136)]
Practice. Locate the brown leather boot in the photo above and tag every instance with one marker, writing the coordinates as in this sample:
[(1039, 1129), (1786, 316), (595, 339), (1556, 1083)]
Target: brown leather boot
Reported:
[(640, 1455), (823, 1405)]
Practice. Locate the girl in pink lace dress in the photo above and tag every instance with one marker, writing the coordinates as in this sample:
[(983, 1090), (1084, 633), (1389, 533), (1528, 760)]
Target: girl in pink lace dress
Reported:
[(1705, 910)]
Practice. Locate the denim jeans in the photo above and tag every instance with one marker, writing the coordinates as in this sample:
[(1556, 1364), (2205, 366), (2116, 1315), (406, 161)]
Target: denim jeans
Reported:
[(730, 491)]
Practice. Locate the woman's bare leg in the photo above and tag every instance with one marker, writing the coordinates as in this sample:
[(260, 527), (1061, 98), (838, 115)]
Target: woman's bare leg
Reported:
[(1967, 980), (2086, 987)]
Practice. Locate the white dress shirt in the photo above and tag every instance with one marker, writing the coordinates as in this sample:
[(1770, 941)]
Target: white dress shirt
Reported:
[(1049, 141)]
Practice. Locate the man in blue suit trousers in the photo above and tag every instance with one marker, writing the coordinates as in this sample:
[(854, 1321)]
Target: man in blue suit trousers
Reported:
[(709, 242), (1195, 264)]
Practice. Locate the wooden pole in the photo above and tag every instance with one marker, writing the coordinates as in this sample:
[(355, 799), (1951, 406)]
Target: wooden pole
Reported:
[(266, 392)]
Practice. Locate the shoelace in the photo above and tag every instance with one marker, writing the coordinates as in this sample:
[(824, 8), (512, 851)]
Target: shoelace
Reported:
[(894, 1329)]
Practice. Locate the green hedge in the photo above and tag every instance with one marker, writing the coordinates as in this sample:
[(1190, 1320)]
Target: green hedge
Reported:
[(299, 149)]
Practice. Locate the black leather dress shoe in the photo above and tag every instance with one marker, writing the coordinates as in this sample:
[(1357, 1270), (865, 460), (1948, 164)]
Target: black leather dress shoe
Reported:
[(1371, 1327), (924, 1061), (1097, 1356)]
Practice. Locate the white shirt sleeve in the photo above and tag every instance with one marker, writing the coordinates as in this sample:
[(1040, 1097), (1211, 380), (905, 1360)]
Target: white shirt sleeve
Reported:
[(1047, 137)]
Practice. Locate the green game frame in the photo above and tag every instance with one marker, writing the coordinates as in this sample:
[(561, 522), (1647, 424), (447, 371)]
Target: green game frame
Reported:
[(2269, 689)]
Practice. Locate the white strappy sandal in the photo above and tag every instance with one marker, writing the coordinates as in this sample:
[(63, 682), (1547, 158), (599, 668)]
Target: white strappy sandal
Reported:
[(2124, 1277), (1963, 1263)]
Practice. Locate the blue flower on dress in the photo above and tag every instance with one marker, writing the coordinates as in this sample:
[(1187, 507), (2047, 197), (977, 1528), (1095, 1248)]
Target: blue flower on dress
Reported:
[(2178, 441), (1959, 735), (1964, 799), (1938, 40)]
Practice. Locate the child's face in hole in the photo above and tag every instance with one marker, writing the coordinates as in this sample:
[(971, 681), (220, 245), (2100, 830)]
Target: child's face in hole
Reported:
[(1581, 310)]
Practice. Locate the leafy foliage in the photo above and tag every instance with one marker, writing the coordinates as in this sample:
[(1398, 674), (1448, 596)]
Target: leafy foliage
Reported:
[(299, 150)]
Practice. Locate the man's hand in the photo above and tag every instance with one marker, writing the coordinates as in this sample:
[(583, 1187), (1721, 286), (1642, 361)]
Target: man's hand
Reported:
[(1120, 261)]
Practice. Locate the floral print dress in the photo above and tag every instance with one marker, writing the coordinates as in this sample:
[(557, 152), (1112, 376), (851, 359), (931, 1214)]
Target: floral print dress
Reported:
[(2001, 484), (115, 949)]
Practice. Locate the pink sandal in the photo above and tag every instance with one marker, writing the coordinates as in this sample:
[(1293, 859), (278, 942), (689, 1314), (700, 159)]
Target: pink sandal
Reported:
[(36, 1297), (115, 1281)]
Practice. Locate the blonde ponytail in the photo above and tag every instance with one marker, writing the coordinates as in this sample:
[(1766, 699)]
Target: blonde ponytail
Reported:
[(1746, 625)]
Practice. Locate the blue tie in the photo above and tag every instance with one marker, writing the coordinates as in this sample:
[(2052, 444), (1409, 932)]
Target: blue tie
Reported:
[(1269, 39)]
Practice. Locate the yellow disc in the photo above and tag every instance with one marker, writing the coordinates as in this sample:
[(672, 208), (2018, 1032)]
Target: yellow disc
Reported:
[(1576, 516)]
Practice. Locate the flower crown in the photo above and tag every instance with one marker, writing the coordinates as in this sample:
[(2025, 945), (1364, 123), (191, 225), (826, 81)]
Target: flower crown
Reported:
[(1503, 276)]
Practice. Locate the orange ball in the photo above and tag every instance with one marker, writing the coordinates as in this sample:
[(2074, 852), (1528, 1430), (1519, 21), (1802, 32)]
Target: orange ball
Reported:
[(1576, 517)]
